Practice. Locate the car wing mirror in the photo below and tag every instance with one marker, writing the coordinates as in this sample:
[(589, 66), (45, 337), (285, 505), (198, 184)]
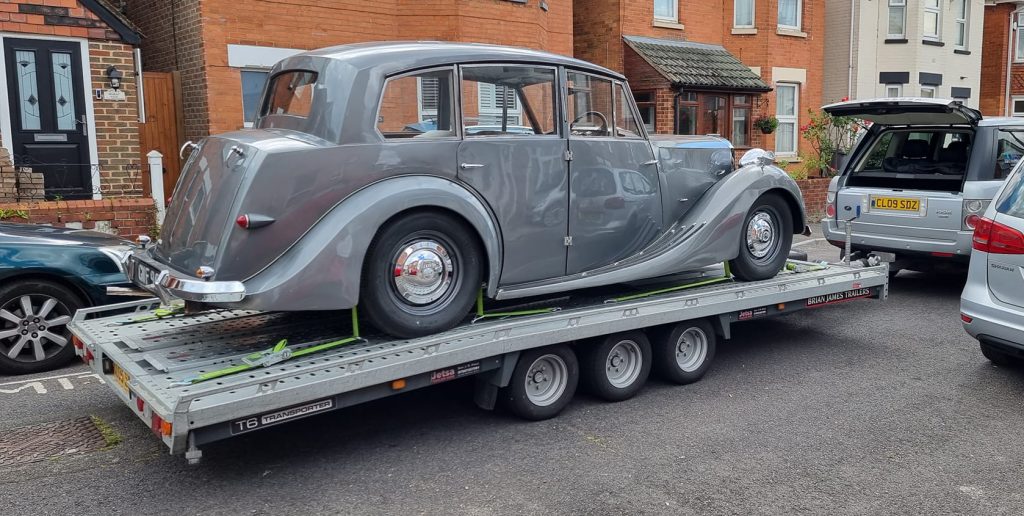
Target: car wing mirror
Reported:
[(759, 157)]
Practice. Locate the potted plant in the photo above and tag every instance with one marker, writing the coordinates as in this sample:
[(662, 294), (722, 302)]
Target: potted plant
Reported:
[(767, 124)]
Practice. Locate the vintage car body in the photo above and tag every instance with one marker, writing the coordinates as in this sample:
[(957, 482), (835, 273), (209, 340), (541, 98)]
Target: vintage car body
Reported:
[(284, 216)]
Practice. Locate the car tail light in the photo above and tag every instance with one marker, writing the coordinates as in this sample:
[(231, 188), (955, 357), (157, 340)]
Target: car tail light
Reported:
[(993, 237), (615, 203), (830, 205), (253, 221), (971, 220), (242, 221), (972, 210), (966, 318)]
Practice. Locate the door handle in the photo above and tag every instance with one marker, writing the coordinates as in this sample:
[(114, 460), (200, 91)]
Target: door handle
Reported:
[(467, 166), (652, 162), (85, 125)]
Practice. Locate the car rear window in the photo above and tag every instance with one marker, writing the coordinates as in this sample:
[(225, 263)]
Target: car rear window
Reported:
[(1012, 201), (1009, 149), (915, 159), (290, 93)]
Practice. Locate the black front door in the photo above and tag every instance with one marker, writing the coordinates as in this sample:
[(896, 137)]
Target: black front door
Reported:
[(48, 123)]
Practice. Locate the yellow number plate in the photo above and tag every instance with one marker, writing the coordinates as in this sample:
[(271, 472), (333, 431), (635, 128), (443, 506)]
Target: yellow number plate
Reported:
[(121, 377), (895, 204)]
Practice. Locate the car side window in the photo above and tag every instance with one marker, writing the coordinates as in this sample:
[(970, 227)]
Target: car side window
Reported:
[(417, 105), (1012, 201), (589, 107), (625, 121), (1009, 149), (503, 100)]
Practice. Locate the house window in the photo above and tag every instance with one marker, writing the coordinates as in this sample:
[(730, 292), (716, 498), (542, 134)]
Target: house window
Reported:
[(1018, 107), (648, 109), (743, 15), (1018, 54), (666, 10), (897, 19), (740, 121), (686, 113), (787, 100), (961, 12), (893, 90), (928, 92), (932, 19), (253, 82), (789, 13), (493, 103)]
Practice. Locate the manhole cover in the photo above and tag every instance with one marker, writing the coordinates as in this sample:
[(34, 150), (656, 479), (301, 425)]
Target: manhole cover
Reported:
[(40, 442)]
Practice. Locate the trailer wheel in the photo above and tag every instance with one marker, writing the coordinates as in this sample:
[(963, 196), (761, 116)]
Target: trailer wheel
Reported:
[(684, 352), (542, 383), (615, 367)]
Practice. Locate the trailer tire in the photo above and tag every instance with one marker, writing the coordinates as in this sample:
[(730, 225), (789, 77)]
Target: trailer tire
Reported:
[(684, 352), (615, 367), (543, 383)]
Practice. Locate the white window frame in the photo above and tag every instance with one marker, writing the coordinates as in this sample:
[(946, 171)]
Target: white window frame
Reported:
[(934, 90), (515, 112), (938, 24), (789, 119), (753, 14), (1018, 41), (902, 4), (423, 113), (675, 11), (961, 22), (1013, 102), (897, 87), (799, 17)]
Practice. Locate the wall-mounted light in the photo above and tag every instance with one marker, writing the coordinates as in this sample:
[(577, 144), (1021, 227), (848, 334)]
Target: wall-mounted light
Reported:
[(114, 75)]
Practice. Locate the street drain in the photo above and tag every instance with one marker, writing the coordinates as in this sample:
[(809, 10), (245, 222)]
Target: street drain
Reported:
[(44, 441)]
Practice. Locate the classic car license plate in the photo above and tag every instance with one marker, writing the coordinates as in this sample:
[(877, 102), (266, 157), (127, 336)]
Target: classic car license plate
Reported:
[(896, 204), (122, 377)]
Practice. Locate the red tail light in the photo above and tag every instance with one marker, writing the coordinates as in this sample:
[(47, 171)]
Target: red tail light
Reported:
[(242, 221), (966, 318), (993, 237), (830, 210), (971, 221), (615, 203)]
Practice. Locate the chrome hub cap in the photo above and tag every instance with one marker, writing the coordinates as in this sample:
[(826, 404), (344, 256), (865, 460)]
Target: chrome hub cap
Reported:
[(32, 328), (691, 349), (546, 380), (423, 272), (623, 364), (761, 234)]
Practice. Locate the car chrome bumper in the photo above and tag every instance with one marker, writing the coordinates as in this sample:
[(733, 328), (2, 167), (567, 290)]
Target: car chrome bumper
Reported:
[(169, 285)]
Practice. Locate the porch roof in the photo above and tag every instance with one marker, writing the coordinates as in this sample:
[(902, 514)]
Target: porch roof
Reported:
[(697, 65)]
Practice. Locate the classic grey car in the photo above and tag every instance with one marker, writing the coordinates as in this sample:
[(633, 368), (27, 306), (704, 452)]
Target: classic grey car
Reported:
[(403, 176)]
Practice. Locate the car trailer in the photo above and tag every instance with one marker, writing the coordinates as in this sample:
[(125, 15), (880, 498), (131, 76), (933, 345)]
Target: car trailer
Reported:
[(199, 378)]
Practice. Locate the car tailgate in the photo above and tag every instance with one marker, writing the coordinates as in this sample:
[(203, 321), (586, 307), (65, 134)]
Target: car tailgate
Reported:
[(890, 211)]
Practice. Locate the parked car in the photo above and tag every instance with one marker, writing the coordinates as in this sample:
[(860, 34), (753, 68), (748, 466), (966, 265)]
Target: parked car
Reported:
[(331, 201), (922, 173), (46, 274), (992, 304)]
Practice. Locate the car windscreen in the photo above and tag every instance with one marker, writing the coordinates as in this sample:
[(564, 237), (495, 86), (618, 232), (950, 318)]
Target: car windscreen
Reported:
[(919, 159)]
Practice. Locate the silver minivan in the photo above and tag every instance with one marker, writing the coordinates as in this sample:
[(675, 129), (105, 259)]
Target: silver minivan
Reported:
[(918, 179)]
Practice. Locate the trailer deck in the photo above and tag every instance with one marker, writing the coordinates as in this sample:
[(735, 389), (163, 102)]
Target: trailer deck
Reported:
[(154, 364)]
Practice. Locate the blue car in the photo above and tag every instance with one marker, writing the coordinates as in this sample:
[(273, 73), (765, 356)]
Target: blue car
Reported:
[(47, 273)]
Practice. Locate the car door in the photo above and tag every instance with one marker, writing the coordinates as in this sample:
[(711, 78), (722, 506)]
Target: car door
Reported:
[(613, 213), (513, 155)]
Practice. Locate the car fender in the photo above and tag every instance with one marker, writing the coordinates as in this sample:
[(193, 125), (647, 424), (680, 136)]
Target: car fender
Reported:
[(322, 270)]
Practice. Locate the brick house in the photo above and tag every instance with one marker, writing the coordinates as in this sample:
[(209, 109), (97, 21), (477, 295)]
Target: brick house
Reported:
[(1002, 59), (779, 42), (69, 124), (222, 49)]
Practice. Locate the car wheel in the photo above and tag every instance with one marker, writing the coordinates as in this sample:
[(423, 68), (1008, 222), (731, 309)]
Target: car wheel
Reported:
[(996, 356), (421, 275), (766, 240), (542, 383), (34, 335), (615, 367)]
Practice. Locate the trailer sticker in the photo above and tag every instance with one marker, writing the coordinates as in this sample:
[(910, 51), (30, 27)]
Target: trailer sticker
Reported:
[(838, 297), (280, 416), (451, 373), (746, 315)]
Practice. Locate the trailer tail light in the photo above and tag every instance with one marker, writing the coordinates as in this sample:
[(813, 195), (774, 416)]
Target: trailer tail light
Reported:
[(993, 237), (159, 426), (140, 404)]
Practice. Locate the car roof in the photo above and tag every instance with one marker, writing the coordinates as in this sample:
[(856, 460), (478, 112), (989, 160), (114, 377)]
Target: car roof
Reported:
[(395, 56), (1000, 121)]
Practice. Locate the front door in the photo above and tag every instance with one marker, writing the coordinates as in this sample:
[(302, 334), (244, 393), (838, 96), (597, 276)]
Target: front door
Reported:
[(614, 201), (47, 106)]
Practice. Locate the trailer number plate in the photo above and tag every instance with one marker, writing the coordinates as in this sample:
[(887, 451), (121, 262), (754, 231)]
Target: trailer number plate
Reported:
[(838, 297), (122, 378), (272, 418)]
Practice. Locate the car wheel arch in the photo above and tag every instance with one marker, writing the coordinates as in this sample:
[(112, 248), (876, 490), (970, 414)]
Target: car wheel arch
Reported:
[(58, 279), (795, 206)]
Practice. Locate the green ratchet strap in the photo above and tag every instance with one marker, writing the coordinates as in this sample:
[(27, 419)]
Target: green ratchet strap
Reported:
[(804, 267), (279, 353), (153, 315), (481, 314), (712, 281)]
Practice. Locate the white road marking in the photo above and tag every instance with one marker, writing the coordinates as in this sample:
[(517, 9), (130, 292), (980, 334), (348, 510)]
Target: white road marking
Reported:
[(15, 382), (66, 381), (38, 386), (798, 244)]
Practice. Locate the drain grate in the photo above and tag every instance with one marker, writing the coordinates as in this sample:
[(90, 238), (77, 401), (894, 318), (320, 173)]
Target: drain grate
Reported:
[(48, 440)]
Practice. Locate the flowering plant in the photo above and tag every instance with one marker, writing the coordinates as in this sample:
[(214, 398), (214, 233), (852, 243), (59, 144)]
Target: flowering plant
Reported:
[(828, 135)]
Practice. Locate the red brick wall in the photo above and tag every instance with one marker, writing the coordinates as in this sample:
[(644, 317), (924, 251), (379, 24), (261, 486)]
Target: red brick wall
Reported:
[(814, 191), (125, 217), (995, 45)]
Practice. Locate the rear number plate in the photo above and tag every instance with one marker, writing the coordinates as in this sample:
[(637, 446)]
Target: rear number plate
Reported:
[(895, 204), (122, 378)]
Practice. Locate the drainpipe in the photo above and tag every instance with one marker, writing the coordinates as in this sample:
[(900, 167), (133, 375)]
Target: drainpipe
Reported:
[(675, 111), (849, 77), (1008, 110)]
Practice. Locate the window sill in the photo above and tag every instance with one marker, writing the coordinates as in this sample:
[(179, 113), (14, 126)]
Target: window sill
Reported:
[(788, 158), (791, 32), (667, 24), (932, 42), (896, 41), (744, 30), (962, 52)]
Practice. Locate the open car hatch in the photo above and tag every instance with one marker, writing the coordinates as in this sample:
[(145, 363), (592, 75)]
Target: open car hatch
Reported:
[(907, 111)]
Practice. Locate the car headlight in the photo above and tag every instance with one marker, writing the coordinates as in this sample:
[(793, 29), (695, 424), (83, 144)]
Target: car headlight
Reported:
[(119, 254)]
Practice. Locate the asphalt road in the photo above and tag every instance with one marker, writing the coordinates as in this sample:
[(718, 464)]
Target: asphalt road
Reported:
[(868, 407)]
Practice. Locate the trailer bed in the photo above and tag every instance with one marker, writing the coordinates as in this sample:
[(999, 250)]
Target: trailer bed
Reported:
[(150, 364)]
